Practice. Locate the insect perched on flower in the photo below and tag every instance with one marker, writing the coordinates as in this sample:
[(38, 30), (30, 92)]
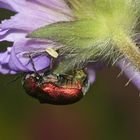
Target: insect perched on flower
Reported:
[(48, 87), (56, 89), (70, 34)]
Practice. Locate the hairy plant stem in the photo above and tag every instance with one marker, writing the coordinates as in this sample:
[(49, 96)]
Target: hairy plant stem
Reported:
[(128, 48)]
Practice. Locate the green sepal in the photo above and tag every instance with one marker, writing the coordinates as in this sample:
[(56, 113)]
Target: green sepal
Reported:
[(72, 33)]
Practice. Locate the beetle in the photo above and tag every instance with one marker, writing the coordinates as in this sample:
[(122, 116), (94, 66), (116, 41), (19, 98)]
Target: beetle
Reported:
[(53, 88), (57, 89)]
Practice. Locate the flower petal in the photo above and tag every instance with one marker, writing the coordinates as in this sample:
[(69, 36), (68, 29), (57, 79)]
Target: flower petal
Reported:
[(4, 56), (4, 69), (130, 72), (12, 35), (91, 75), (34, 14), (18, 62), (56, 4), (22, 5), (13, 61), (4, 59), (14, 5), (34, 19)]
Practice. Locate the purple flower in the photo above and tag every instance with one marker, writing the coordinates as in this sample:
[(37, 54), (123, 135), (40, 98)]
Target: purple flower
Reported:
[(29, 16)]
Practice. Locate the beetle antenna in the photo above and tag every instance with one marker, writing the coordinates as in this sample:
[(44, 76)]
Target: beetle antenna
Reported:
[(32, 62)]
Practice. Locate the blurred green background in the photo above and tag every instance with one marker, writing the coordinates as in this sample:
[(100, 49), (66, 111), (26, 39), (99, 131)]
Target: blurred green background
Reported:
[(109, 111)]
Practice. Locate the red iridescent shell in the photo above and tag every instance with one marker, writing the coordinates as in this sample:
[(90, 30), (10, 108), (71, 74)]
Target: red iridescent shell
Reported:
[(54, 89)]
